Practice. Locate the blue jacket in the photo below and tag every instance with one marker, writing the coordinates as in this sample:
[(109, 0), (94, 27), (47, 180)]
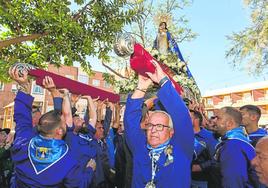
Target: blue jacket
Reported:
[(255, 136), (83, 146), (63, 172), (234, 155), (176, 174), (206, 137)]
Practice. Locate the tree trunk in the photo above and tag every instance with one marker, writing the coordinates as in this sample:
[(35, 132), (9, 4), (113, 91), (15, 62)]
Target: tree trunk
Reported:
[(20, 39)]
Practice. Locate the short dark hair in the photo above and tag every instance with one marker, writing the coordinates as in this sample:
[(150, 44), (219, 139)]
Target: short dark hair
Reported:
[(187, 101), (49, 122), (252, 109), (35, 109), (198, 116), (6, 130), (234, 113)]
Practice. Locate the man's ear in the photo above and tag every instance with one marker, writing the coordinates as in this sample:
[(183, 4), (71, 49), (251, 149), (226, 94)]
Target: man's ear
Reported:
[(196, 121), (253, 117), (230, 123), (59, 131), (171, 133)]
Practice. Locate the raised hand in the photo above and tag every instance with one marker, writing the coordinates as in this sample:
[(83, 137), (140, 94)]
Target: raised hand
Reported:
[(92, 110), (158, 75), (96, 99), (21, 80), (75, 98), (143, 82), (49, 84), (143, 85)]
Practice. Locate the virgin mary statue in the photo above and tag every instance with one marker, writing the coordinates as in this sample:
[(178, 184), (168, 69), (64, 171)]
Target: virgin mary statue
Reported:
[(165, 44)]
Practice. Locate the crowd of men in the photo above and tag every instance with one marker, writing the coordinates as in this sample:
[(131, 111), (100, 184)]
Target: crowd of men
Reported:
[(164, 142)]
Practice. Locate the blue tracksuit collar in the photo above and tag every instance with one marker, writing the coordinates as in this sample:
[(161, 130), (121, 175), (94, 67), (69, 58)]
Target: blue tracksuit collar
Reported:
[(203, 133), (158, 149), (236, 133), (45, 152), (259, 132)]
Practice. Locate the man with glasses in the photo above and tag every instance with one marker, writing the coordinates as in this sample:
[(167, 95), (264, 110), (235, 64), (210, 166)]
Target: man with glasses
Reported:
[(162, 156)]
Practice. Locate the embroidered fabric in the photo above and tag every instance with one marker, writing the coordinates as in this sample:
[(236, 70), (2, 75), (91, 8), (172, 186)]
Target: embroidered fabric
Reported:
[(44, 152)]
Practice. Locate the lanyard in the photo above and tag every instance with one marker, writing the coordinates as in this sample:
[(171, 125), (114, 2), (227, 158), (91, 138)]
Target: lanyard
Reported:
[(154, 157)]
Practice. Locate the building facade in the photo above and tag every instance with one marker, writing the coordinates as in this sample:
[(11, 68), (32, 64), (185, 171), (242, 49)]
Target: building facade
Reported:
[(237, 96), (42, 98)]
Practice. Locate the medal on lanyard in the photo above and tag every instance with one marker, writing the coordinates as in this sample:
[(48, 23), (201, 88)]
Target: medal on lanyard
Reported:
[(154, 157), (150, 185)]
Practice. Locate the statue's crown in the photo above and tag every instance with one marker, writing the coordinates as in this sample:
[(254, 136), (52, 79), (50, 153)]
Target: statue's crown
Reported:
[(162, 17)]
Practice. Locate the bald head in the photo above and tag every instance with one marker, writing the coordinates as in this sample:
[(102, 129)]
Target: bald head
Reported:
[(260, 162), (264, 140)]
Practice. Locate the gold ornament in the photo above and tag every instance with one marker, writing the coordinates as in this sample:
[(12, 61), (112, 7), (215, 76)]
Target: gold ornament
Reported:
[(163, 17)]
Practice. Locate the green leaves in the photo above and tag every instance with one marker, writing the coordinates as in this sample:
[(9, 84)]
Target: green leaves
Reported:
[(48, 31), (250, 46)]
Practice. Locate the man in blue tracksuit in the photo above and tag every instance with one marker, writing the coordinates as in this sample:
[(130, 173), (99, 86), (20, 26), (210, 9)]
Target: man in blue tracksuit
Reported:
[(82, 144), (86, 142), (234, 152), (42, 158), (250, 117), (203, 166), (161, 157)]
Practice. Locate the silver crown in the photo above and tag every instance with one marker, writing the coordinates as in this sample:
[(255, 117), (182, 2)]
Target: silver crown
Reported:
[(22, 67), (124, 44)]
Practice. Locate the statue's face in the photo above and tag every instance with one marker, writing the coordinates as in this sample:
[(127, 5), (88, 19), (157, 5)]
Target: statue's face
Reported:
[(162, 26)]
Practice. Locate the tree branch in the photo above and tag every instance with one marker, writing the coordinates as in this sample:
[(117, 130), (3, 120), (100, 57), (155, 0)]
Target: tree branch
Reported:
[(30, 37), (20, 39), (132, 33), (113, 71), (78, 14)]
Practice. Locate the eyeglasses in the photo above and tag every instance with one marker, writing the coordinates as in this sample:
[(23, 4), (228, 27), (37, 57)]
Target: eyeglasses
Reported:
[(158, 127)]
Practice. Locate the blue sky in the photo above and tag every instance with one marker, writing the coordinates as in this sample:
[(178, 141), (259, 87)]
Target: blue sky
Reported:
[(213, 21)]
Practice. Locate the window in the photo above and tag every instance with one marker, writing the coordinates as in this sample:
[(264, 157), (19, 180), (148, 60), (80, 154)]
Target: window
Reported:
[(1, 86), (38, 90), (107, 85), (14, 88), (227, 99), (209, 101), (83, 79), (247, 97), (95, 82)]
